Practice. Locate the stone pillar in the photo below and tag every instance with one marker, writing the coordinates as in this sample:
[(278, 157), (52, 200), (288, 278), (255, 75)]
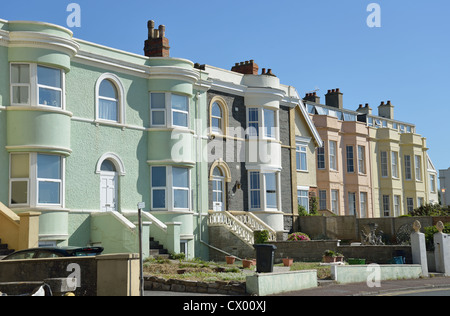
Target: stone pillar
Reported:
[(442, 250), (418, 247), (173, 237), (29, 230)]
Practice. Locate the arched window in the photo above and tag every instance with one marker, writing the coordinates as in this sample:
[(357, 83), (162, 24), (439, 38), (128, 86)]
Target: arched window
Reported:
[(109, 102), (218, 118)]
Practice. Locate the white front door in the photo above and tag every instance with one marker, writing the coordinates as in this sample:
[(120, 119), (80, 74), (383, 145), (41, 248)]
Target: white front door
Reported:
[(108, 191), (218, 193)]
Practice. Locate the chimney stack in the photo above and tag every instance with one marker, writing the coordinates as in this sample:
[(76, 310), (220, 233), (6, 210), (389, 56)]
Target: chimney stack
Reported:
[(157, 45), (365, 109), (335, 98), (386, 110), (246, 68), (312, 97)]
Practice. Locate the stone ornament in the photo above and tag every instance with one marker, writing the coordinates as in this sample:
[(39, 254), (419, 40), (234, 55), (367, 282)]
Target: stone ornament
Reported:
[(417, 226), (440, 226)]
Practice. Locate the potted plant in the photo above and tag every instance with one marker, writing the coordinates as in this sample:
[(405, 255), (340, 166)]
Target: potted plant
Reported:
[(288, 262), (246, 263), (230, 259), (329, 256), (339, 257)]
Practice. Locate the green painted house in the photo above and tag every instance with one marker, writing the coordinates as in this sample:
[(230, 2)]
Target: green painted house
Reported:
[(87, 132)]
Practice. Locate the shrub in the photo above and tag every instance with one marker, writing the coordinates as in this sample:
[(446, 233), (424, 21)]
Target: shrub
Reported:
[(429, 233), (261, 236), (302, 211), (298, 237)]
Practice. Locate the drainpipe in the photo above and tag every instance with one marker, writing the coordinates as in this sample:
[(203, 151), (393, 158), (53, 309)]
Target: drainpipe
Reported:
[(199, 154)]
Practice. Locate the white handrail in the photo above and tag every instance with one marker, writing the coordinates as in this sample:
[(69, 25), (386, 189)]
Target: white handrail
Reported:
[(255, 223), (226, 219)]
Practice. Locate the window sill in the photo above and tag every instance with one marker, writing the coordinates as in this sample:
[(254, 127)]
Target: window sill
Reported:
[(41, 108)]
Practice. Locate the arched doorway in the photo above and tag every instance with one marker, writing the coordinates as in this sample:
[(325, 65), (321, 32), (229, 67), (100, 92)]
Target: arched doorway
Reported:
[(108, 187), (218, 190)]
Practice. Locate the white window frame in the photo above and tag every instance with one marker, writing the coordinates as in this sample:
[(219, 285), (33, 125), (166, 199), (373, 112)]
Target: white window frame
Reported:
[(362, 159), (418, 167), (169, 111), (261, 176), (261, 130), (187, 189), (251, 130), (45, 180), (20, 85), (394, 164), (172, 111), (323, 199), (386, 199), (335, 201), (321, 158), (273, 134), (352, 203), (115, 80), (397, 205), (60, 90), (384, 161), (33, 182), (363, 204), (301, 151), (408, 170), (159, 188), (432, 183), (220, 129), (303, 196), (332, 153), (161, 110), (33, 86), (350, 158), (409, 204), (170, 189)]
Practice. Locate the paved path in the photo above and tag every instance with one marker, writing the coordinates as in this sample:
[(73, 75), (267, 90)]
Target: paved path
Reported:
[(362, 288)]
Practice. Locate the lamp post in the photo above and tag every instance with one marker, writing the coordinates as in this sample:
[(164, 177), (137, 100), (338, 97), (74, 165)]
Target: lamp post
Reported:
[(141, 257)]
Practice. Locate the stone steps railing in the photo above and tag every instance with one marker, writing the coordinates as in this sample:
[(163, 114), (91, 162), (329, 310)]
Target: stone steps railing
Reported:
[(242, 224)]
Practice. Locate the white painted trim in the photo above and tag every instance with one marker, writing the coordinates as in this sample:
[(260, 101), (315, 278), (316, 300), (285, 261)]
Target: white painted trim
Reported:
[(121, 98), (115, 159)]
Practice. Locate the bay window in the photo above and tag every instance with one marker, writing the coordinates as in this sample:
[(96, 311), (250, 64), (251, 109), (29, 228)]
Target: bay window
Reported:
[(33, 85), (170, 188), (49, 86), (169, 110), (36, 180), (263, 190), (49, 179), (264, 118)]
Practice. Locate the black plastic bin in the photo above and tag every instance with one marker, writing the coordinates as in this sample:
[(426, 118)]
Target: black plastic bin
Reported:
[(264, 258)]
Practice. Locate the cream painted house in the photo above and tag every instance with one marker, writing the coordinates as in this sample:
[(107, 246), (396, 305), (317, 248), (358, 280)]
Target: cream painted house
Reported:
[(370, 165)]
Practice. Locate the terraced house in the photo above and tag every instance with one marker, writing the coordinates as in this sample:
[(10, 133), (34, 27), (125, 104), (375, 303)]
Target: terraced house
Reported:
[(88, 131), (371, 164)]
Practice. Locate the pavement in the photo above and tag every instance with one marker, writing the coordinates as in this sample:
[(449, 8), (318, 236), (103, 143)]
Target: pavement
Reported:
[(329, 288)]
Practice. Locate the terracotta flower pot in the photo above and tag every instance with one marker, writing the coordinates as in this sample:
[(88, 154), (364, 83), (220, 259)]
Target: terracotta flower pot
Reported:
[(288, 262), (247, 263), (328, 259), (230, 259)]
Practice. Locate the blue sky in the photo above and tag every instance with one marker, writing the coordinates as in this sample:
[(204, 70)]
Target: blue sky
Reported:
[(317, 44)]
